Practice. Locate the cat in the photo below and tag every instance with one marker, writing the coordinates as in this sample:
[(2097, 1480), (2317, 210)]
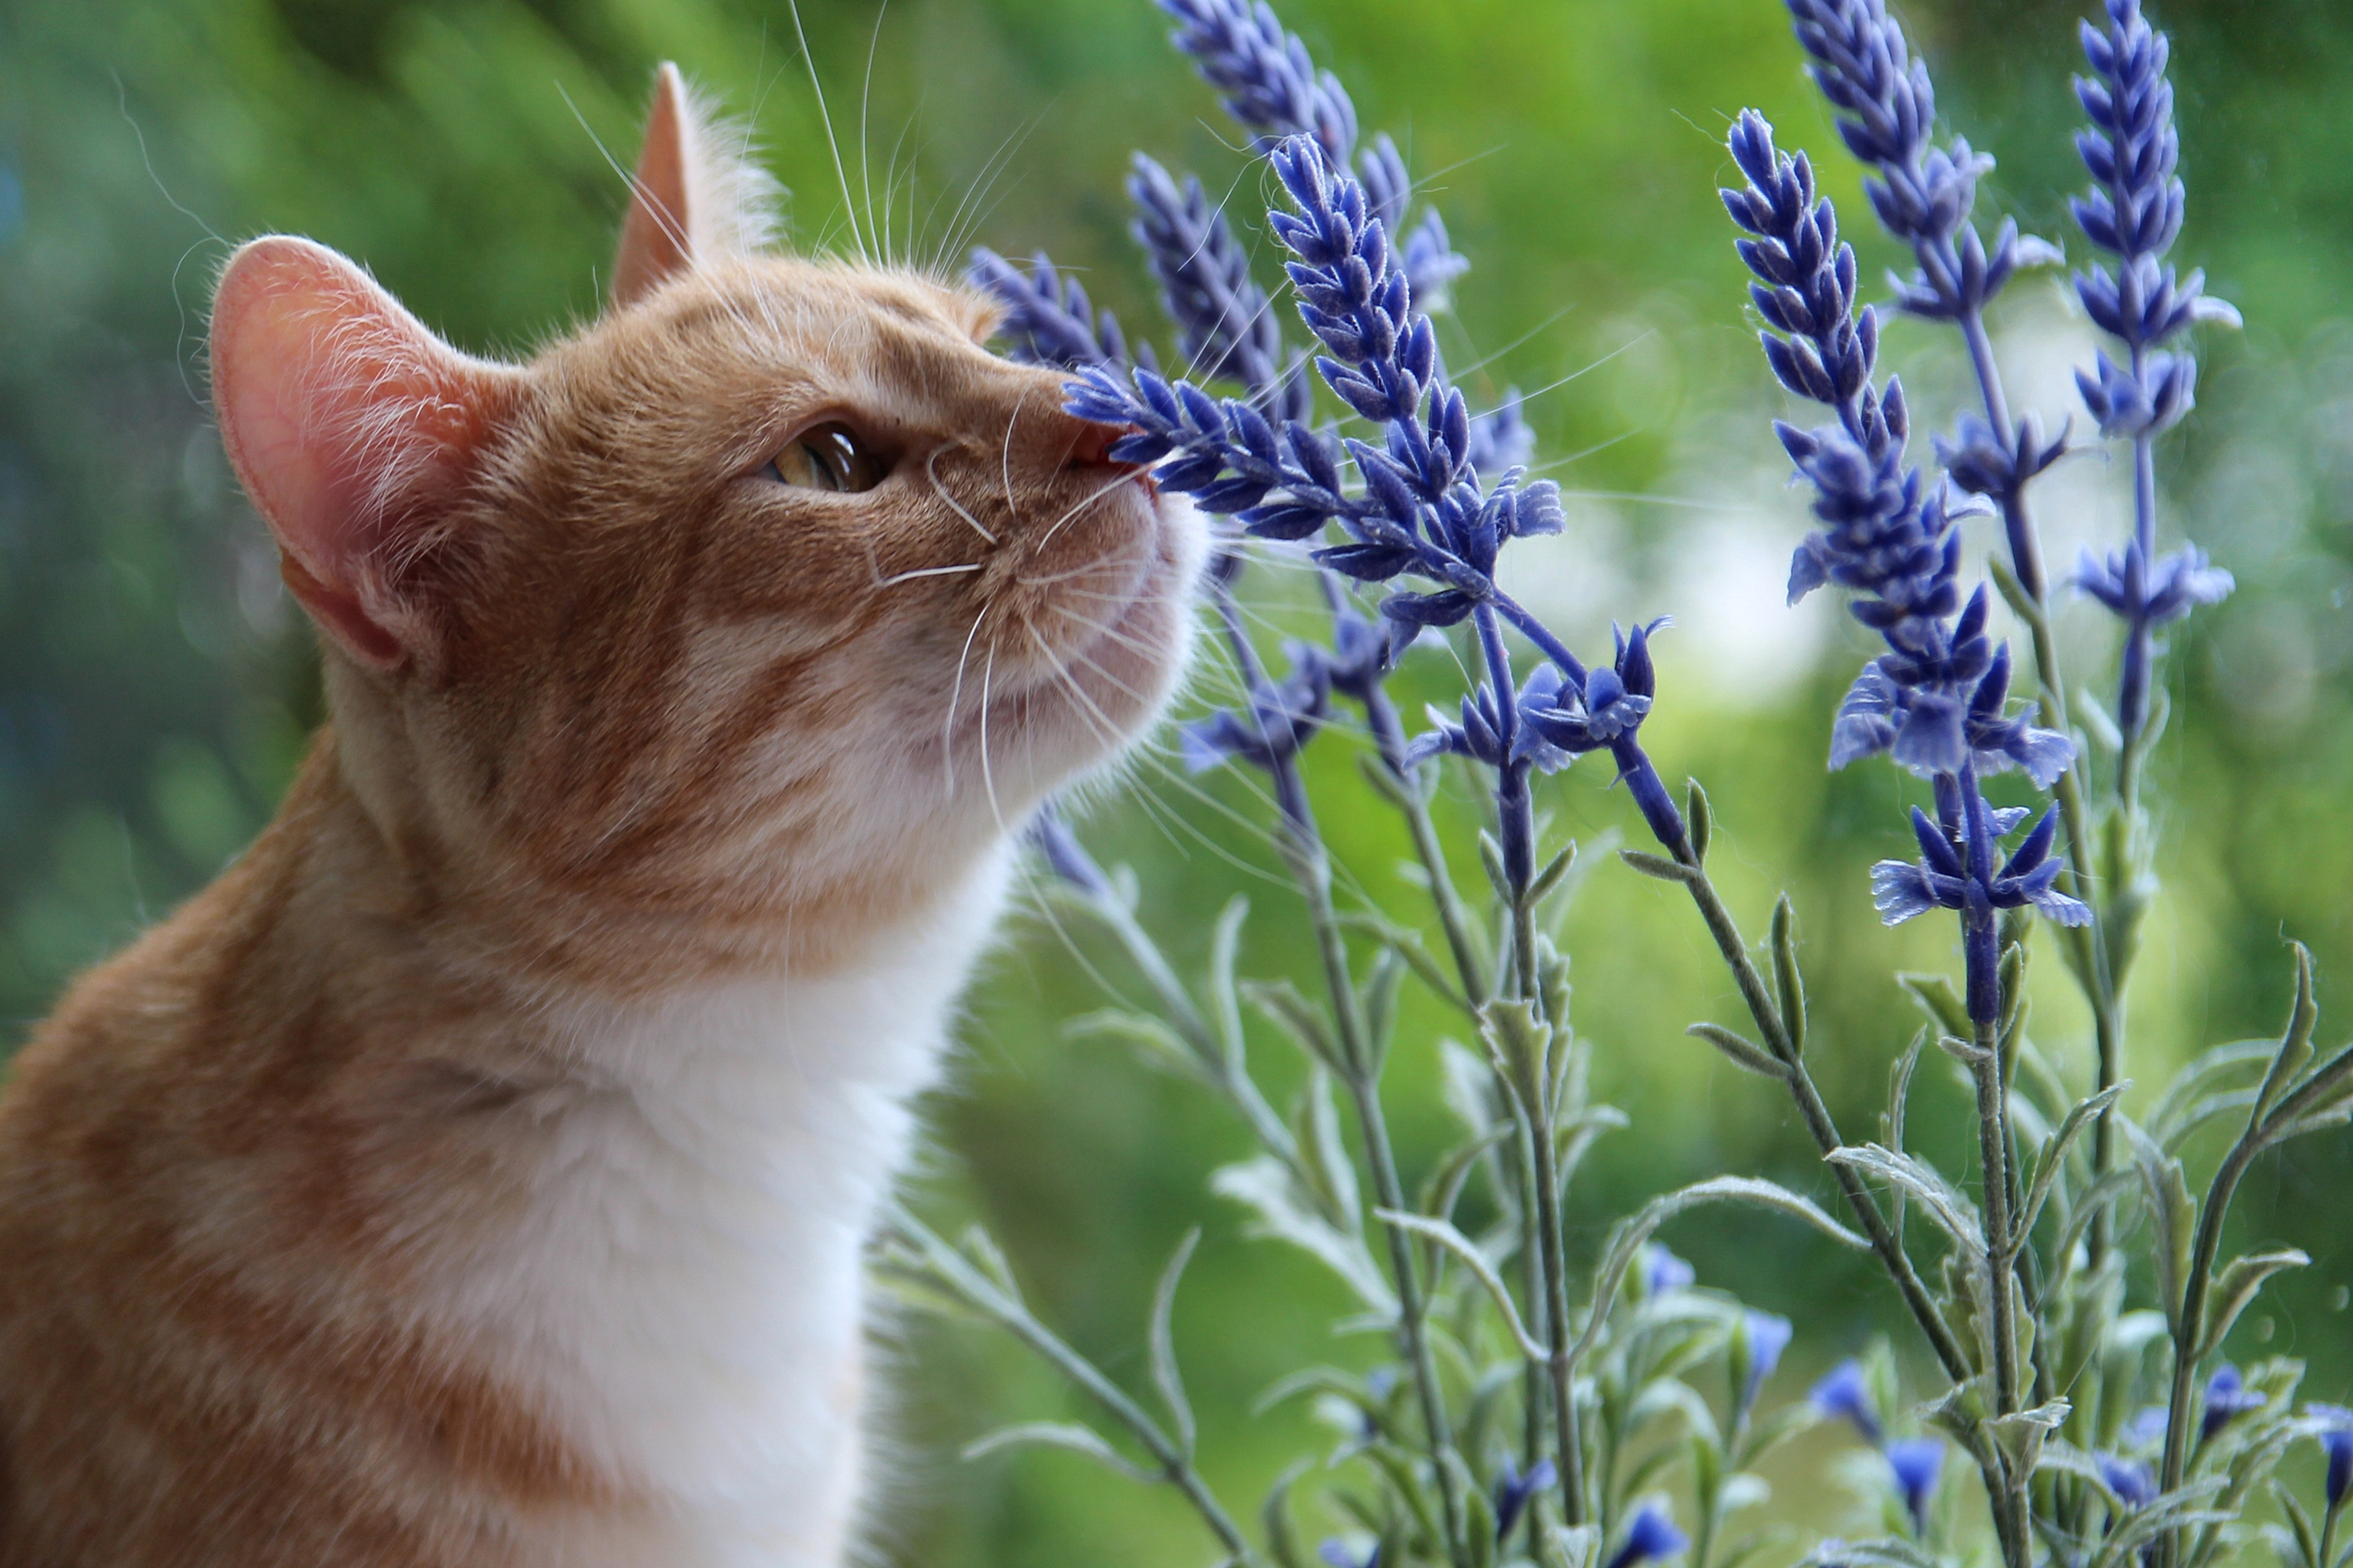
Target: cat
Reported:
[(477, 1173)]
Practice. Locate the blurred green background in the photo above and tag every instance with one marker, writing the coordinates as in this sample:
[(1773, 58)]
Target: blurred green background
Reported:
[(156, 684)]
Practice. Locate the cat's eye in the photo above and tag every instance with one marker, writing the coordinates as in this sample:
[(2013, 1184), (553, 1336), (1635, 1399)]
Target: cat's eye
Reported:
[(830, 457)]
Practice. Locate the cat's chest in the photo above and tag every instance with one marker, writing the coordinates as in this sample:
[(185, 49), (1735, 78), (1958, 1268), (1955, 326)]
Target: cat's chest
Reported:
[(680, 1281)]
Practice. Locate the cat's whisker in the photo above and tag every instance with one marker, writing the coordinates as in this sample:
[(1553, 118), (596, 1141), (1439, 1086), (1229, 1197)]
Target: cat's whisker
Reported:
[(931, 472), (898, 577), (1089, 710), (988, 771), (1013, 421), (1048, 536), (833, 143), (955, 692), (1112, 634)]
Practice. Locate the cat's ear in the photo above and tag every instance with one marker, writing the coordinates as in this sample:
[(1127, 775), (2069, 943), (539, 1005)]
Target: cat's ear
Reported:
[(353, 428), (695, 197)]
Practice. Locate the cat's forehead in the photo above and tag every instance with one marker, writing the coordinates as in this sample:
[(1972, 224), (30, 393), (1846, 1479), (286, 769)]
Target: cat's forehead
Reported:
[(822, 312)]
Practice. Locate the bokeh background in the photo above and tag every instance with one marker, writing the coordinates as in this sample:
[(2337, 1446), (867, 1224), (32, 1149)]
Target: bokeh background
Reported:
[(155, 682)]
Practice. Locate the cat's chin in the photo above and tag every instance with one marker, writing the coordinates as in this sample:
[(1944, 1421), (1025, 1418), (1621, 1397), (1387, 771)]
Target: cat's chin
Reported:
[(1130, 667)]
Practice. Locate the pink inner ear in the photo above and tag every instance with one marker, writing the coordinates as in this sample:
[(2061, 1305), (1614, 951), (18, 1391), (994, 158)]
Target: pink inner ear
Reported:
[(347, 421)]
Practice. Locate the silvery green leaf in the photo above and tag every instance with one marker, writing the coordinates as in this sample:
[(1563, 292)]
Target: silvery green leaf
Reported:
[(1626, 1240), (1066, 1435), (1275, 1517), (1701, 819), (1571, 1545), (1225, 943), (1164, 1373), (1377, 999), (2235, 1285), (1467, 1253), (1282, 1003), (2172, 1211), (1788, 982), (1743, 1490), (1953, 1213), (2295, 1042), (1672, 1395), (2052, 1156), (1658, 866), (1936, 997), (2198, 1078), (1741, 1052), (1333, 1170), (1150, 1039), (2021, 1437), (1262, 1185)]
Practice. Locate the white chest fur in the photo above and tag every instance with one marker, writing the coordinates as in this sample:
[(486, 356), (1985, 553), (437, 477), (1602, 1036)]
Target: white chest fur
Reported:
[(683, 1285)]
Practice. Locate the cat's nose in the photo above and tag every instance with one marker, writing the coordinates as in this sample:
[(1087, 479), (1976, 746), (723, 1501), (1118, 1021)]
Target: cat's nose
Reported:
[(1090, 446)]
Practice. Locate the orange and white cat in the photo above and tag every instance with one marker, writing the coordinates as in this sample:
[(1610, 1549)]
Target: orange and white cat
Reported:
[(477, 1173)]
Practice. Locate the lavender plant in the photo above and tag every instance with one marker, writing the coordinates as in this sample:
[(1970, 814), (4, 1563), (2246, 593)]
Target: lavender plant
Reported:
[(1532, 1403)]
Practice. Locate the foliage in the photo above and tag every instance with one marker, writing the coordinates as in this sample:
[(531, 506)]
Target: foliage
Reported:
[(1508, 1361)]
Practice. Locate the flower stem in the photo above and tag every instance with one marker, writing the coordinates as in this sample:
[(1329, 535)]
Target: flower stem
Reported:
[(948, 1266), (1817, 1115)]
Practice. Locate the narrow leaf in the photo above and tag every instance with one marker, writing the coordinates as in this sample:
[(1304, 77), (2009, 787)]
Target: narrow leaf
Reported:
[(1743, 1052), (1467, 1253), (1658, 866), (2234, 1289), (2295, 1044), (1066, 1435), (1701, 819), (2052, 1157), (1953, 1213), (1936, 997), (1165, 1374), (1790, 984), (1281, 1002), (1626, 1239)]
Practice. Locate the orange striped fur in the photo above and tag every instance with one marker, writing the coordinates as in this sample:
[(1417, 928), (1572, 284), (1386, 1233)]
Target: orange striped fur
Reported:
[(476, 1174)]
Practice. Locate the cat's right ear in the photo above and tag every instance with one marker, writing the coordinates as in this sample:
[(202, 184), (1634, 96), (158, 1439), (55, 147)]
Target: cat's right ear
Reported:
[(695, 195), (355, 429)]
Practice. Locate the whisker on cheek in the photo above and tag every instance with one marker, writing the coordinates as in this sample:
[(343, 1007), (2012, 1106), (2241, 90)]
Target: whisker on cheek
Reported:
[(956, 692), (898, 577), (954, 505), (1082, 506)]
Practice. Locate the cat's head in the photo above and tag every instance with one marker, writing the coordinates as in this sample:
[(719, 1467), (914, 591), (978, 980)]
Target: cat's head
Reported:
[(770, 596)]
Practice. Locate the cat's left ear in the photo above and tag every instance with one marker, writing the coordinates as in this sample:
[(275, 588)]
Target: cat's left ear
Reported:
[(695, 197), (356, 431)]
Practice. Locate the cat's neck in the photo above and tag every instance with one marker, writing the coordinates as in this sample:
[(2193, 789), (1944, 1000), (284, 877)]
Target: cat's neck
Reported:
[(663, 1189)]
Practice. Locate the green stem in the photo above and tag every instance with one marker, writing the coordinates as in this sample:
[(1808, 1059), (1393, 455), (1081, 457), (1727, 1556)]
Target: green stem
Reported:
[(1817, 1115), (1014, 1319), (1559, 1365), (1311, 870)]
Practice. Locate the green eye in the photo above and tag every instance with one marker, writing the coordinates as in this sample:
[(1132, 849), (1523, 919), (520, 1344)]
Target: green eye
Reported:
[(830, 457)]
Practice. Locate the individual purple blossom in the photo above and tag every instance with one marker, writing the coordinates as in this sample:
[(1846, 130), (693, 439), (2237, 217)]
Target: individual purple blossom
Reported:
[(1513, 1490), (1064, 856), (2133, 212), (1956, 871), (2227, 1398), (1844, 1392), (2146, 1427), (1283, 716), (1766, 1337), (2336, 1435), (2133, 1482), (1663, 1272), (1337, 1553), (1916, 1463), (1650, 1535)]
